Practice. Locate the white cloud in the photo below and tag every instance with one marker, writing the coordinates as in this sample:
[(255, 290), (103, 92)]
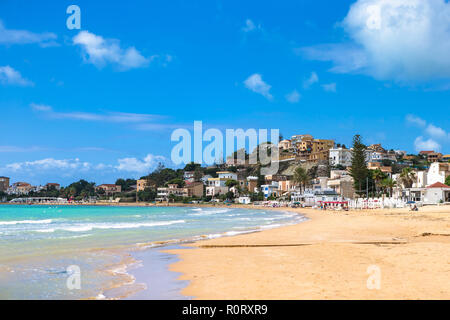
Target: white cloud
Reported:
[(256, 84), (9, 76), (100, 52), (412, 119), (421, 144), (140, 166), (330, 87), (250, 26), (9, 37), (436, 131), (293, 97), (119, 117), (436, 134), (313, 78), (401, 40), (49, 164), (70, 166)]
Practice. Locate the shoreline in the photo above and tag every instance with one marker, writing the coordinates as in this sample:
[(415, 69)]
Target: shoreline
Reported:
[(327, 257), (140, 253)]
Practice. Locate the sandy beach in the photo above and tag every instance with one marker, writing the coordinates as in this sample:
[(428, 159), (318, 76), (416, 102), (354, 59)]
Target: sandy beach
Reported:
[(330, 256)]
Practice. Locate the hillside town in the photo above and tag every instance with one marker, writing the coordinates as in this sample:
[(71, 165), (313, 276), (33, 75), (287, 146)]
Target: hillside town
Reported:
[(312, 172)]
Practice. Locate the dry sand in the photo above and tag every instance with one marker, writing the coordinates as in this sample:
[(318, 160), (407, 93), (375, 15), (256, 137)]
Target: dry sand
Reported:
[(327, 257)]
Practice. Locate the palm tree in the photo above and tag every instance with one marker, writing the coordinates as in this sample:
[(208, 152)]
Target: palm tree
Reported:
[(388, 184), (378, 176), (407, 177), (301, 177)]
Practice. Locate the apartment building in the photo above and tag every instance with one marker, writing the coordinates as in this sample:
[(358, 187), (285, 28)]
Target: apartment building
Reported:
[(340, 156), (4, 184)]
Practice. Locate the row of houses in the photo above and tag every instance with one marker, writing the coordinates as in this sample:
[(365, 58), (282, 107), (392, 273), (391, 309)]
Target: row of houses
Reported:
[(23, 188)]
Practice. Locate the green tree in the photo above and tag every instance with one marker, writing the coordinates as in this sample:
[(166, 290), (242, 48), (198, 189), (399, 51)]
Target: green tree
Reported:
[(177, 181), (197, 175), (358, 170), (147, 195), (126, 184), (378, 176), (407, 177), (447, 181), (388, 185), (301, 177), (231, 183), (192, 166)]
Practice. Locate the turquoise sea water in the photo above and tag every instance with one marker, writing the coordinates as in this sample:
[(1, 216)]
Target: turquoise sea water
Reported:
[(39, 243)]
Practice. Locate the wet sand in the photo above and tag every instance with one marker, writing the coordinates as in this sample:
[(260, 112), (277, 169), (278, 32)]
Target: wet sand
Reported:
[(331, 256)]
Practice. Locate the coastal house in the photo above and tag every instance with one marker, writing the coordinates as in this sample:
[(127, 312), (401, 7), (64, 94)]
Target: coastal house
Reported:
[(286, 186), (244, 200), (341, 157), (342, 183), (194, 189), (141, 184), (437, 193), (270, 189), (446, 158), (438, 172), (311, 198), (163, 193), (377, 165), (55, 186), (217, 186), (252, 184), (109, 189), (4, 184), (227, 175), (20, 188)]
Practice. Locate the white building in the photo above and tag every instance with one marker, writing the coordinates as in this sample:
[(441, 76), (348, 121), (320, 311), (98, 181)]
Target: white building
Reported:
[(270, 189), (340, 156), (437, 193), (312, 198), (438, 172), (244, 200), (227, 175), (205, 178), (375, 156)]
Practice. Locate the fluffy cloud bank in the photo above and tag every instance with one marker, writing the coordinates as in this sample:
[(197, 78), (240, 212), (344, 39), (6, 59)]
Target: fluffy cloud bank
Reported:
[(140, 166), (70, 170), (100, 52), (436, 135), (401, 40)]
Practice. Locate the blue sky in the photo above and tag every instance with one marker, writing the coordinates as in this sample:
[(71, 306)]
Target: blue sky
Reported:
[(101, 102)]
